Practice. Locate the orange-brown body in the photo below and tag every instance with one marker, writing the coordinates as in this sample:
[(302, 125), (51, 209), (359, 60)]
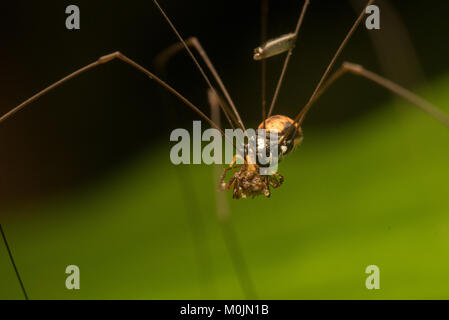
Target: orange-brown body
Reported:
[(246, 181), (280, 124)]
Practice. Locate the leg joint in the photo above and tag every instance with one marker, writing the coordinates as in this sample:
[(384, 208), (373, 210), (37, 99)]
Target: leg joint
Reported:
[(352, 67), (110, 57)]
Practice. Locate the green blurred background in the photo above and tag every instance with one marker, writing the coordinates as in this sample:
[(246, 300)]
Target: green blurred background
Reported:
[(85, 175)]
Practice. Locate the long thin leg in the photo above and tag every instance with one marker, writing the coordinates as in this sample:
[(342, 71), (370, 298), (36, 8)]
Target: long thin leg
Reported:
[(194, 214), (13, 263), (162, 59), (100, 61), (359, 70), (211, 67), (229, 234), (340, 49), (287, 58), (329, 67), (263, 38)]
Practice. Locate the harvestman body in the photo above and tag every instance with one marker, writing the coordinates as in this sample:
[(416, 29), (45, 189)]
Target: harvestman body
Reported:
[(246, 180)]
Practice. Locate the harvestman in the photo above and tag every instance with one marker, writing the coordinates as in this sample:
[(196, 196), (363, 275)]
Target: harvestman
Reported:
[(246, 180)]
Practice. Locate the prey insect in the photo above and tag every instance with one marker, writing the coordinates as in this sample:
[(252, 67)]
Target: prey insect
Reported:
[(245, 180)]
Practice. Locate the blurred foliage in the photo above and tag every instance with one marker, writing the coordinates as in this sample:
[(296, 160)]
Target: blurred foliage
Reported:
[(374, 191)]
